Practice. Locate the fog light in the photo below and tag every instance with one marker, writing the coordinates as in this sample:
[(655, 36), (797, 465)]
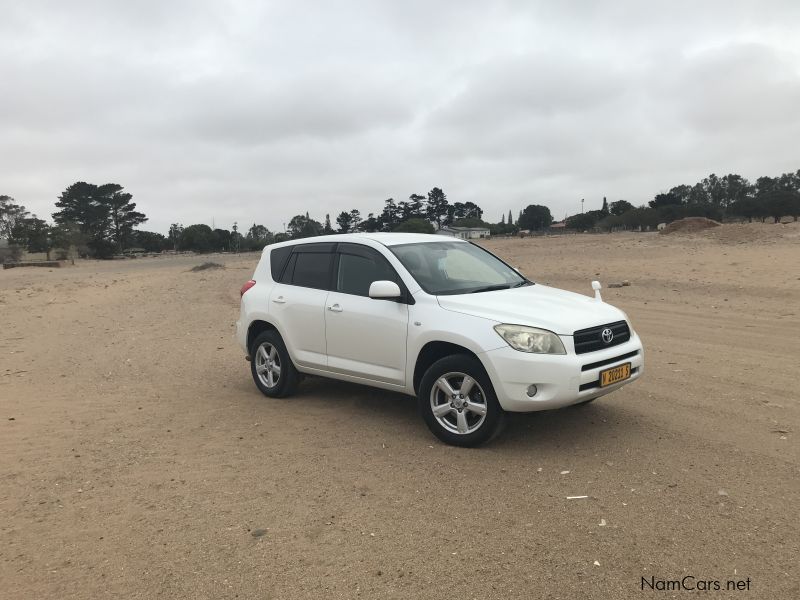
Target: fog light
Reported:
[(532, 389)]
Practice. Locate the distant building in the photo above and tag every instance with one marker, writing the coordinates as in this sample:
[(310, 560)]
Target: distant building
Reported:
[(559, 225), (465, 233)]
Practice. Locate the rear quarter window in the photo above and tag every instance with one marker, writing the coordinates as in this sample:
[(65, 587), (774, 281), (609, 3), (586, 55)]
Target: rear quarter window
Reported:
[(277, 260)]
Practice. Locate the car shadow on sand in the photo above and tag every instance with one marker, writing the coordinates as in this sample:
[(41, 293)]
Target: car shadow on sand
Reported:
[(600, 422)]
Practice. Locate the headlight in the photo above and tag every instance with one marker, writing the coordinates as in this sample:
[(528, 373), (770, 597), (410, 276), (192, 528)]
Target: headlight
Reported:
[(530, 339)]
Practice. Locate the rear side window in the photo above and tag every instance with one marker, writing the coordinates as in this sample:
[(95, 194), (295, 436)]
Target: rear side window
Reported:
[(277, 260), (312, 269), (359, 268)]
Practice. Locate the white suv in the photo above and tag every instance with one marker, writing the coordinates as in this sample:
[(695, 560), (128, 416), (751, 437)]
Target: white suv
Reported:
[(434, 317)]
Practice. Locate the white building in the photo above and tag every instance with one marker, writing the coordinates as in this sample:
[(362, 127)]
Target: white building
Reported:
[(465, 233)]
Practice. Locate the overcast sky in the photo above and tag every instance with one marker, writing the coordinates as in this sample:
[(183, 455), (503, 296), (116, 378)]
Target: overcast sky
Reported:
[(254, 111)]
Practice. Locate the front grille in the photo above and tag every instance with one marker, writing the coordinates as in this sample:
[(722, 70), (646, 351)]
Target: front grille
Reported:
[(608, 361), (591, 339)]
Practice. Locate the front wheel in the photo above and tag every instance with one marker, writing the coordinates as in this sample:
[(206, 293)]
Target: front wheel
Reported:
[(458, 402)]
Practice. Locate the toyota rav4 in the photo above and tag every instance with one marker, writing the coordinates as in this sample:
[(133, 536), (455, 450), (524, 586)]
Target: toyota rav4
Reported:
[(434, 317)]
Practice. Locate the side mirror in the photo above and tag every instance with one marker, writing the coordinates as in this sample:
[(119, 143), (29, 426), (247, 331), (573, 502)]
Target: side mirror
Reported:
[(384, 289)]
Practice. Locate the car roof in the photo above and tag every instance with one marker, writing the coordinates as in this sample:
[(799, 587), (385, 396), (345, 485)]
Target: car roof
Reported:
[(387, 239)]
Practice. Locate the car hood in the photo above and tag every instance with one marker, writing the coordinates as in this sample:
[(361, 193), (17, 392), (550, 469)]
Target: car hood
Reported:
[(536, 305)]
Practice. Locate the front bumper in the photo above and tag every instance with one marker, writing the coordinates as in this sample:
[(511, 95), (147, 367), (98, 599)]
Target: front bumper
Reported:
[(560, 378)]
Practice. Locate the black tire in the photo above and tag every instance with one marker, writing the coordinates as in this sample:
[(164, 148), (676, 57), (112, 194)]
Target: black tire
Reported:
[(459, 414), (285, 383)]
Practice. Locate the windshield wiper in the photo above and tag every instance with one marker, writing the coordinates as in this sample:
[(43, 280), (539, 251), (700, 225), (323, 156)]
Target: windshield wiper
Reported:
[(521, 283), (491, 288)]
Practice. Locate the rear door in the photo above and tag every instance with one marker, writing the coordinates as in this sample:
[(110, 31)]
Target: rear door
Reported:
[(365, 337), (298, 302)]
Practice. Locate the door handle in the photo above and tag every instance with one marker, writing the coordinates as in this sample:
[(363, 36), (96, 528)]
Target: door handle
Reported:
[(335, 308), (279, 300)]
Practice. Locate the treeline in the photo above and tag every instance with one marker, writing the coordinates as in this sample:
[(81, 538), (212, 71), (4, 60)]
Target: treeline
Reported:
[(102, 220), (95, 220), (729, 197), (418, 214)]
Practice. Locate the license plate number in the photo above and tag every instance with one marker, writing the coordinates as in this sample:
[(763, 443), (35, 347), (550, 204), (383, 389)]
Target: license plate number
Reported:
[(615, 374)]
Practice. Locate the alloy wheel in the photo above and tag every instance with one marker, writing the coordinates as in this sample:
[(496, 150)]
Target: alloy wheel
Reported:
[(458, 403)]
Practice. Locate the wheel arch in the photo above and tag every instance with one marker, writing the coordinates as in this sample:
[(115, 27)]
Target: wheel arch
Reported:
[(256, 328), (433, 351)]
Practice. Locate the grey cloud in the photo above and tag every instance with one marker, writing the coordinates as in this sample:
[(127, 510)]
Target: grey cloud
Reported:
[(254, 111)]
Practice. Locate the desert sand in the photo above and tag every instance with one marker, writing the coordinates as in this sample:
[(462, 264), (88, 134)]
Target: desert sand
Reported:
[(138, 460)]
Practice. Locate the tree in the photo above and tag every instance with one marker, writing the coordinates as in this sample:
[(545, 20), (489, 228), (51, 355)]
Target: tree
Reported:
[(584, 221), (105, 215), (355, 219), (415, 226), (736, 189), (470, 222), (436, 208), (698, 195), (664, 199), (327, 229), (715, 190), (257, 237), (303, 226), (472, 210), (258, 233), (415, 210), (10, 213), (122, 212), (535, 217), (510, 220), (604, 210), (198, 238), (619, 207), (390, 216), (344, 220), (174, 234), (80, 204), (223, 239), (781, 203), (150, 241), (32, 233), (71, 241), (370, 223), (404, 210)]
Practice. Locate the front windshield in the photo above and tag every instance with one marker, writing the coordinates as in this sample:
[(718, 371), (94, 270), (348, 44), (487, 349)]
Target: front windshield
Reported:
[(443, 268)]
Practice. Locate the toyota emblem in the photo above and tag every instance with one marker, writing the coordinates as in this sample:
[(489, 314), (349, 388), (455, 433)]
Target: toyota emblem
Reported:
[(607, 335)]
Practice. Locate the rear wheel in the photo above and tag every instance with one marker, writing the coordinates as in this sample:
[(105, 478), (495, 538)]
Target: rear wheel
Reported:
[(458, 402), (272, 368)]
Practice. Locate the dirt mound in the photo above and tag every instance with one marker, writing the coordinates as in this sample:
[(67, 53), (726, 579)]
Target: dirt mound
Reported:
[(690, 225), (207, 265)]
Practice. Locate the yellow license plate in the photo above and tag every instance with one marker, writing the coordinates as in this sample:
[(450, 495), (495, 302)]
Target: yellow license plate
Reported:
[(615, 374)]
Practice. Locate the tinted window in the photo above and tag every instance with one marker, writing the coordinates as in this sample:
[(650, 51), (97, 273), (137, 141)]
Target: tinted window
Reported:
[(277, 260), (456, 268), (312, 269), (359, 268), (289, 270)]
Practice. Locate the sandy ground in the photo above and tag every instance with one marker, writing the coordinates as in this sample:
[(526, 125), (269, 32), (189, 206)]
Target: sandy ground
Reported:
[(138, 460)]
